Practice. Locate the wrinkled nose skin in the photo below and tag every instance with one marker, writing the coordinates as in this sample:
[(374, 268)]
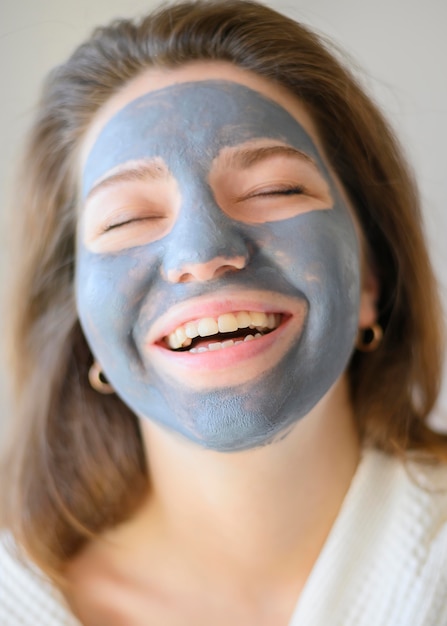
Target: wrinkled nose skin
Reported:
[(312, 257)]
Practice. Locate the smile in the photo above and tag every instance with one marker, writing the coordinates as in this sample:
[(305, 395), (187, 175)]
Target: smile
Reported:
[(191, 342), (227, 330)]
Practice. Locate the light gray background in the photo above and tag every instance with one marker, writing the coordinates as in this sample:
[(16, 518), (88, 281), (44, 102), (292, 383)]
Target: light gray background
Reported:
[(399, 44)]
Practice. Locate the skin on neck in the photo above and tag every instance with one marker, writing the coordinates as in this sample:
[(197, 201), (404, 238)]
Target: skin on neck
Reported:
[(223, 532), (255, 519)]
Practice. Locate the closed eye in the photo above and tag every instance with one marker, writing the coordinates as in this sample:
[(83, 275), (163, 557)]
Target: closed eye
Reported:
[(288, 191), (277, 183), (129, 213), (108, 227)]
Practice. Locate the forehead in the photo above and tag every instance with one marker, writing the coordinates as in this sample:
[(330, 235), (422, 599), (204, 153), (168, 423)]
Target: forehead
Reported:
[(191, 122)]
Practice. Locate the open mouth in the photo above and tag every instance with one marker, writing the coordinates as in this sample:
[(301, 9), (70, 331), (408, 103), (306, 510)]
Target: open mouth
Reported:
[(227, 330)]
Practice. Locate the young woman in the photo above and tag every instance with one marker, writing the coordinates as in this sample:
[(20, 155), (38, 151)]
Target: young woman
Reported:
[(226, 341)]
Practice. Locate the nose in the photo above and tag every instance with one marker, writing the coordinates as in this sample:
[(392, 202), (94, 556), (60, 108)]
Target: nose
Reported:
[(206, 271), (205, 244)]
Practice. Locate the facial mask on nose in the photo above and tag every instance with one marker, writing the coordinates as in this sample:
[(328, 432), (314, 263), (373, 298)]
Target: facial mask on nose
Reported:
[(303, 268)]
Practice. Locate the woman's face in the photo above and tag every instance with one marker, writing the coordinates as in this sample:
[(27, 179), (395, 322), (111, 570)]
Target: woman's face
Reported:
[(218, 273)]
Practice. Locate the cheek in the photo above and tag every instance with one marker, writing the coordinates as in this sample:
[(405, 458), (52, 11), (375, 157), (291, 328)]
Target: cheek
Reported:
[(108, 290), (315, 250)]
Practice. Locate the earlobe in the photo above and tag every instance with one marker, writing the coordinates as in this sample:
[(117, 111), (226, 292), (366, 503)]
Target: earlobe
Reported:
[(370, 332), (369, 339), (369, 298), (98, 380)]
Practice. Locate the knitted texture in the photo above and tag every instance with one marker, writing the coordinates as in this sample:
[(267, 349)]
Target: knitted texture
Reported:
[(26, 597), (385, 560)]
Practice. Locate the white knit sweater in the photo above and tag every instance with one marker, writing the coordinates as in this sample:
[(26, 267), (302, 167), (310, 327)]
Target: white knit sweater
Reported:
[(383, 564)]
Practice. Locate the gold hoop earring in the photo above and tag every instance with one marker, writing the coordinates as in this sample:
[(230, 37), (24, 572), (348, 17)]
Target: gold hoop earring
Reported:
[(97, 379), (368, 339)]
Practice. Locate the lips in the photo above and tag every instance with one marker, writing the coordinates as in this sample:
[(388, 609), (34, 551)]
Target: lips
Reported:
[(234, 337), (226, 330)]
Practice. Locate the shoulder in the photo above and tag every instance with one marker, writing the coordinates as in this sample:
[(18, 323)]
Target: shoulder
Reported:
[(407, 509), (411, 494), (417, 482), (26, 596), (385, 560)]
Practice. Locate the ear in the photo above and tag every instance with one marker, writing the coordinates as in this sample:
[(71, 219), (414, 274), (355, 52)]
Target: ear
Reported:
[(369, 297)]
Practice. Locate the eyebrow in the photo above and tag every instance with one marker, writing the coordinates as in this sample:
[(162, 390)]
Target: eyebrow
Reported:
[(240, 158), (244, 158), (135, 171)]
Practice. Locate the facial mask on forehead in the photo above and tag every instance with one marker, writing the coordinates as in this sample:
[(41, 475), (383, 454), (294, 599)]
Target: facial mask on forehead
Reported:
[(299, 273)]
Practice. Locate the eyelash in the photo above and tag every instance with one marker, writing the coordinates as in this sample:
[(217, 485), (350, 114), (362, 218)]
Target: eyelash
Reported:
[(110, 227), (285, 191), (106, 229)]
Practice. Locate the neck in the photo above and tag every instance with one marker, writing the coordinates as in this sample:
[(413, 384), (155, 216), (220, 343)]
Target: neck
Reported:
[(262, 512)]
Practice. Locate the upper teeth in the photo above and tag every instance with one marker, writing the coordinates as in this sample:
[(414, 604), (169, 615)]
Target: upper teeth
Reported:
[(227, 323)]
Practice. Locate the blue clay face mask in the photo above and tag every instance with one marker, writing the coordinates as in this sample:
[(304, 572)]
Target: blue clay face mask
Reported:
[(218, 271)]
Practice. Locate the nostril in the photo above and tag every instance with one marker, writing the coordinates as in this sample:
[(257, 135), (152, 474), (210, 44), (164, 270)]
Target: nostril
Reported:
[(224, 269), (185, 278), (205, 271)]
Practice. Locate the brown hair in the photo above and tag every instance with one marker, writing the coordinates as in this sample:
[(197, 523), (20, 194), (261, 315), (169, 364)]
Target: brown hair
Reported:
[(77, 465)]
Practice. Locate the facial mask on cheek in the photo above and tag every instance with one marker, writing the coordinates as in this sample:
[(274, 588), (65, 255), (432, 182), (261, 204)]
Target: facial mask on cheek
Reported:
[(304, 270)]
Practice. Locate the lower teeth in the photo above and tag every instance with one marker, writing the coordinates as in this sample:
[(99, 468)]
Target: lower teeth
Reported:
[(224, 344)]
